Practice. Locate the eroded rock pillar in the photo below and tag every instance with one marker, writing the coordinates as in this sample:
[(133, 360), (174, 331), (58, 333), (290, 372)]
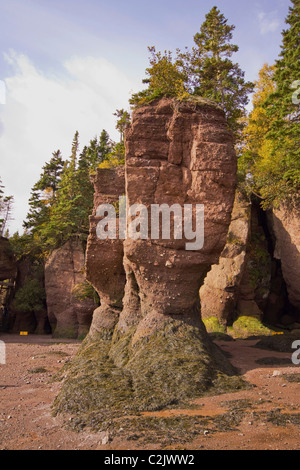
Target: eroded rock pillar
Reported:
[(160, 355), (104, 258)]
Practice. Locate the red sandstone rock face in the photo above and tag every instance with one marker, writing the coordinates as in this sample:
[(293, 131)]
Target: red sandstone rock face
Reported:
[(64, 272), (286, 227), (8, 266), (148, 331), (176, 153), (219, 293), (239, 285), (104, 258)]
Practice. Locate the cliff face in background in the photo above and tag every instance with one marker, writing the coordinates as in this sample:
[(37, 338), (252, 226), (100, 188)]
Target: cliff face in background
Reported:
[(286, 226), (220, 291), (69, 304), (32, 320), (257, 275)]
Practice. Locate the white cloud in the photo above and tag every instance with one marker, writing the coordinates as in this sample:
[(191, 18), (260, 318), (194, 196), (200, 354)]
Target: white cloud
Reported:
[(268, 23), (43, 112)]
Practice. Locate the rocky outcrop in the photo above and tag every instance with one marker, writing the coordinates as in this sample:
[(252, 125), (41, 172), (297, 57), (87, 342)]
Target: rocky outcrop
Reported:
[(104, 258), (240, 284), (258, 273), (8, 265), (255, 285), (176, 153), (220, 291), (159, 353), (285, 223), (70, 300)]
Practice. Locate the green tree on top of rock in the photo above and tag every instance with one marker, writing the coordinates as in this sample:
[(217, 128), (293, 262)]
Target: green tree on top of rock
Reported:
[(165, 77), (206, 71), (123, 122), (214, 75), (68, 215)]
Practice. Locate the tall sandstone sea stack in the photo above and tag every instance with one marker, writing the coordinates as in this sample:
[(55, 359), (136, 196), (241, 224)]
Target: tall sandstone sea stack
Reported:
[(147, 346), (69, 315)]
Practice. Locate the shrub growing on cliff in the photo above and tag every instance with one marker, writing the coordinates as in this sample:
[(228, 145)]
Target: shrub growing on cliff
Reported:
[(84, 290), (206, 71), (122, 123), (166, 77), (31, 297)]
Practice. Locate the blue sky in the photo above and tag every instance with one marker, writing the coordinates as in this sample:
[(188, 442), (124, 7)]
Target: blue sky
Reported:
[(69, 64)]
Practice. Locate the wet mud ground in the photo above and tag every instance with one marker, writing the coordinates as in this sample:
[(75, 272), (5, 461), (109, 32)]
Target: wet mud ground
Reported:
[(264, 417)]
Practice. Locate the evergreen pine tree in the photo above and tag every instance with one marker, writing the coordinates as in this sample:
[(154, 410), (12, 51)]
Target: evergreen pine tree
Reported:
[(91, 155), (43, 193), (283, 108), (213, 73), (75, 148), (49, 180), (6, 203), (69, 214), (104, 146), (123, 122), (97, 151), (61, 222)]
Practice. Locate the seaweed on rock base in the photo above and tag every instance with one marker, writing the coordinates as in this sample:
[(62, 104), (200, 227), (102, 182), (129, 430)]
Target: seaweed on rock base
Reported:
[(168, 369)]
